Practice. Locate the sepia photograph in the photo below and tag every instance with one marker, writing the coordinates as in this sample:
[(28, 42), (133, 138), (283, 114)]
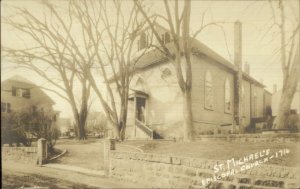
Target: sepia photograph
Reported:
[(196, 94)]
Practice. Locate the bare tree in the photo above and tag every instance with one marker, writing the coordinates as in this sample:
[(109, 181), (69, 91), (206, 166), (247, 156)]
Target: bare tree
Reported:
[(290, 62), (111, 35), (51, 49), (178, 22)]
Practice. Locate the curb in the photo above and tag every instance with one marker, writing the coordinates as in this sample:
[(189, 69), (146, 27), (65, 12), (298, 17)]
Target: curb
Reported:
[(59, 155)]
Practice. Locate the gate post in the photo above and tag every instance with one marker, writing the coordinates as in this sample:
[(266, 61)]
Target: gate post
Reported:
[(108, 145), (42, 151)]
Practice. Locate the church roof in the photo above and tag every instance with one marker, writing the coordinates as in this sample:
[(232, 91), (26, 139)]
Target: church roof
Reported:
[(154, 57)]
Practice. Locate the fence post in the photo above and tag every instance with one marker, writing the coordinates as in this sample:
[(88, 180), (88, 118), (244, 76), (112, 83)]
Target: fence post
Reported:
[(42, 151), (108, 145)]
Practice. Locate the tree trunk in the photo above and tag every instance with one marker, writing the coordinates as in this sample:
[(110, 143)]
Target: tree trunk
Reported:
[(123, 120), (123, 116), (187, 115), (287, 95)]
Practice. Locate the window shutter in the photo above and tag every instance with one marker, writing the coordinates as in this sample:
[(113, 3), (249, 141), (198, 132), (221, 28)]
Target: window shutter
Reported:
[(14, 91), (3, 107), (26, 93)]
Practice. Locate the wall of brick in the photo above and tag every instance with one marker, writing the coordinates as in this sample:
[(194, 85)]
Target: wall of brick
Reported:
[(163, 171), (23, 154)]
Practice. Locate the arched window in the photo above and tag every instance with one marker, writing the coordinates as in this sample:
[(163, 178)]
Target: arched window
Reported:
[(166, 73), (143, 41), (243, 101), (254, 102), (227, 96), (209, 96)]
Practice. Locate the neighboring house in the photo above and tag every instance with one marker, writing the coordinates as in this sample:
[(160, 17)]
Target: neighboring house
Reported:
[(19, 94), (295, 106), (155, 101)]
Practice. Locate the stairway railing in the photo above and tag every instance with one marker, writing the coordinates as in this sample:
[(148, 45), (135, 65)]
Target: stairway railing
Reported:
[(148, 131)]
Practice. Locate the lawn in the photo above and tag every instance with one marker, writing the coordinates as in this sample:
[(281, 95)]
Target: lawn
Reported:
[(220, 150), (87, 154)]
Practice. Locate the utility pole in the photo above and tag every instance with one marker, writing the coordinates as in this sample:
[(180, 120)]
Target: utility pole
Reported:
[(238, 77)]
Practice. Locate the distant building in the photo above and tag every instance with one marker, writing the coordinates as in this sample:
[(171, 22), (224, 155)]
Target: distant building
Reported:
[(96, 124), (295, 106), (64, 125), (19, 94)]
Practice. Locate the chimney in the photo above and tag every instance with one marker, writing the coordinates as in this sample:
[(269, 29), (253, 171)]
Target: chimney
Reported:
[(238, 77), (247, 68), (238, 44), (274, 88)]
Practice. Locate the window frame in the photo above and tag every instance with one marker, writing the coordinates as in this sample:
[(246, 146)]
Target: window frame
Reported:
[(255, 102), (227, 96), (243, 101), (208, 85), (21, 92), (5, 107)]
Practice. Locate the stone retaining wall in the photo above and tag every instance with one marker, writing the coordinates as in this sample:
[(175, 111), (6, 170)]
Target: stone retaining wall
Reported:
[(23, 154), (164, 171), (34, 155), (274, 137)]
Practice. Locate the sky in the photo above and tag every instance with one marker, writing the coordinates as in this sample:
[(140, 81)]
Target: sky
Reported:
[(260, 49)]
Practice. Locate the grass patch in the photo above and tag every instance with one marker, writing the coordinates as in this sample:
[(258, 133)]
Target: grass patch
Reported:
[(221, 150)]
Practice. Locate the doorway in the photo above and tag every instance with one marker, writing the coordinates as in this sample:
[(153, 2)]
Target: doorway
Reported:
[(141, 109)]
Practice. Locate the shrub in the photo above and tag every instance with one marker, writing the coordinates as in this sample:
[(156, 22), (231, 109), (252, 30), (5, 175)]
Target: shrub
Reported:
[(38, 124)]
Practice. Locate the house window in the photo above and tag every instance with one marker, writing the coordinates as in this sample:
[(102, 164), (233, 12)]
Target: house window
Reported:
[(19, 92), (227, 96), (166, 73), (254, 102), (5, 107), (209, 96), (166, 38), (142, 41), (243, 101)]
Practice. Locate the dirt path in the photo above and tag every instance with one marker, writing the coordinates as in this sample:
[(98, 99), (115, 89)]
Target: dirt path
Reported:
[(15, 175)]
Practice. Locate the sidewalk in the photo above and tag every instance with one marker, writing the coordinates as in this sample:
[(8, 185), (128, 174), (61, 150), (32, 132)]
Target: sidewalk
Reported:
[(67, 173), (75, 169)]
